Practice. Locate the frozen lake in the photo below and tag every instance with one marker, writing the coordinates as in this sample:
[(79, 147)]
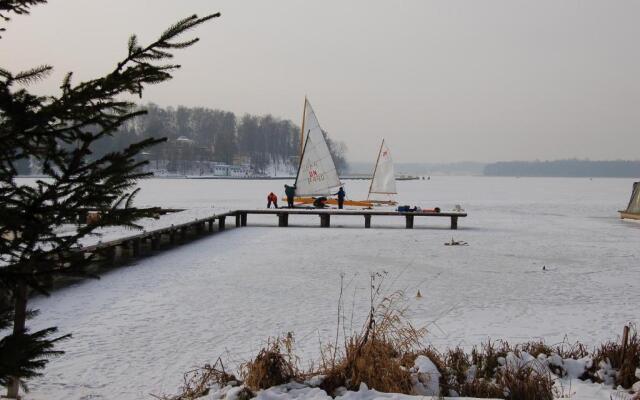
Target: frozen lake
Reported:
[(136, 330)]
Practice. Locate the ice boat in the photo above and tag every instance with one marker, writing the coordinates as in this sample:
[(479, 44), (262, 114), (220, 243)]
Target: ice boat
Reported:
[(317, 175), (383, 181), (633, 209)]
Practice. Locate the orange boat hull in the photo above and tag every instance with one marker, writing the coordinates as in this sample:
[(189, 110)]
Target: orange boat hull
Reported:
[(352, 203)]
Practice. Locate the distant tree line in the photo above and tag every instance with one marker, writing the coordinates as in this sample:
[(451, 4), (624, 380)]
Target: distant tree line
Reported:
[(565, 168), (203, 134)]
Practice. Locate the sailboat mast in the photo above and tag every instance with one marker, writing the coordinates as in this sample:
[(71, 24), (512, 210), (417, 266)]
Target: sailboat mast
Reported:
[(375, 168), (303, 142), (295, 183), (304, 115)]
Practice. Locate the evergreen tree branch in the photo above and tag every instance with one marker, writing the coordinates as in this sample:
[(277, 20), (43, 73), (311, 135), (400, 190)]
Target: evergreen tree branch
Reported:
[(18, 7), (61, 133)]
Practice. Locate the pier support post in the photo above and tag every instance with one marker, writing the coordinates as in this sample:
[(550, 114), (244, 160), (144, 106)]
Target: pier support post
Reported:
[(210, 222), (119, 252), (367, 221), (75, 257), (183, 233), (109, 254), (409, 221), (283, 220), (135, 246), (237, 220), (221, 223), (243, 219), (155, 242), (172, 236), (454, 222), (325, 220)]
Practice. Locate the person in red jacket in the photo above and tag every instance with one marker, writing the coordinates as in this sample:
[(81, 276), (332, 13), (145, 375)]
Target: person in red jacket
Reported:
[(272, 198)]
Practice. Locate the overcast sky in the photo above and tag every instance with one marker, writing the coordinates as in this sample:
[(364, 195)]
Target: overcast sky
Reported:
[(449, 80)]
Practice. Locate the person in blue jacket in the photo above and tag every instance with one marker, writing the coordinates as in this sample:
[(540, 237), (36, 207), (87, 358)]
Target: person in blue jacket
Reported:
[(290, 191), (341, 195)]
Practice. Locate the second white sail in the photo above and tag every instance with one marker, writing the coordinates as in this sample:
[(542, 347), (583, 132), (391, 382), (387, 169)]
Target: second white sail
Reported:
[(383, 181)]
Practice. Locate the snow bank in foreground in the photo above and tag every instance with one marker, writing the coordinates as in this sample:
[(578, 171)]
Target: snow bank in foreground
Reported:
[(567, 389), (295, 391), (565, 375)]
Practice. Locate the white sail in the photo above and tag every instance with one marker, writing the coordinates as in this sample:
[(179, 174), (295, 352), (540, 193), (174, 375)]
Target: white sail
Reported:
[(384, 179), (317, 175), (634, 203)]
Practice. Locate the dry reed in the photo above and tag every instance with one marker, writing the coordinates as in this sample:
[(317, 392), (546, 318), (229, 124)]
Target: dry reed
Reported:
[(375, 355), (623, 357), (274, 365), (525, 384), (197, 382)]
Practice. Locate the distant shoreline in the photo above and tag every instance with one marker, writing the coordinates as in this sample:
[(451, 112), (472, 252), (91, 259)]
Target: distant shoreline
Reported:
[(565, 168)]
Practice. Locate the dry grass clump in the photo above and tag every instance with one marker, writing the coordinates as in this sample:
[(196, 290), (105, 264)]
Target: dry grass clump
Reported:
[(535, 348), (459, 376), (374, 362), (574, 351), (492, 379), (482, 389), (564, 349), (457, 366), (486, 357), (197, 382), (453, 366), (377, 354), (274, 365), (525, 384), (623, 356)]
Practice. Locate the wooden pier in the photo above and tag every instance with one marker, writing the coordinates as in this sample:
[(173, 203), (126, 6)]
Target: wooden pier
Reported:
[(326, 214), (181, 233)]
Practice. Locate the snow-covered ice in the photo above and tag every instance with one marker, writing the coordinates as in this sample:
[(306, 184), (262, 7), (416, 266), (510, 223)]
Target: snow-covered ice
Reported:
[(136, 330)]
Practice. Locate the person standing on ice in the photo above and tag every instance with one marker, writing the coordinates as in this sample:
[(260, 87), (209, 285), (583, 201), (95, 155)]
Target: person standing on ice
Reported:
[(290, 191), (272, 198), (341, 195)]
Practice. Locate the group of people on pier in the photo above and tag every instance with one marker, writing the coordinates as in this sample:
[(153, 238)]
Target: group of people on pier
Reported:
[(318, 202)]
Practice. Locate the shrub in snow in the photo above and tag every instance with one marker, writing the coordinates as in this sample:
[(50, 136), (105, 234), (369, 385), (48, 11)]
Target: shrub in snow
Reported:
[(274, 365), (378, 355), (616, 363), (373, 362), (525, 383)]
